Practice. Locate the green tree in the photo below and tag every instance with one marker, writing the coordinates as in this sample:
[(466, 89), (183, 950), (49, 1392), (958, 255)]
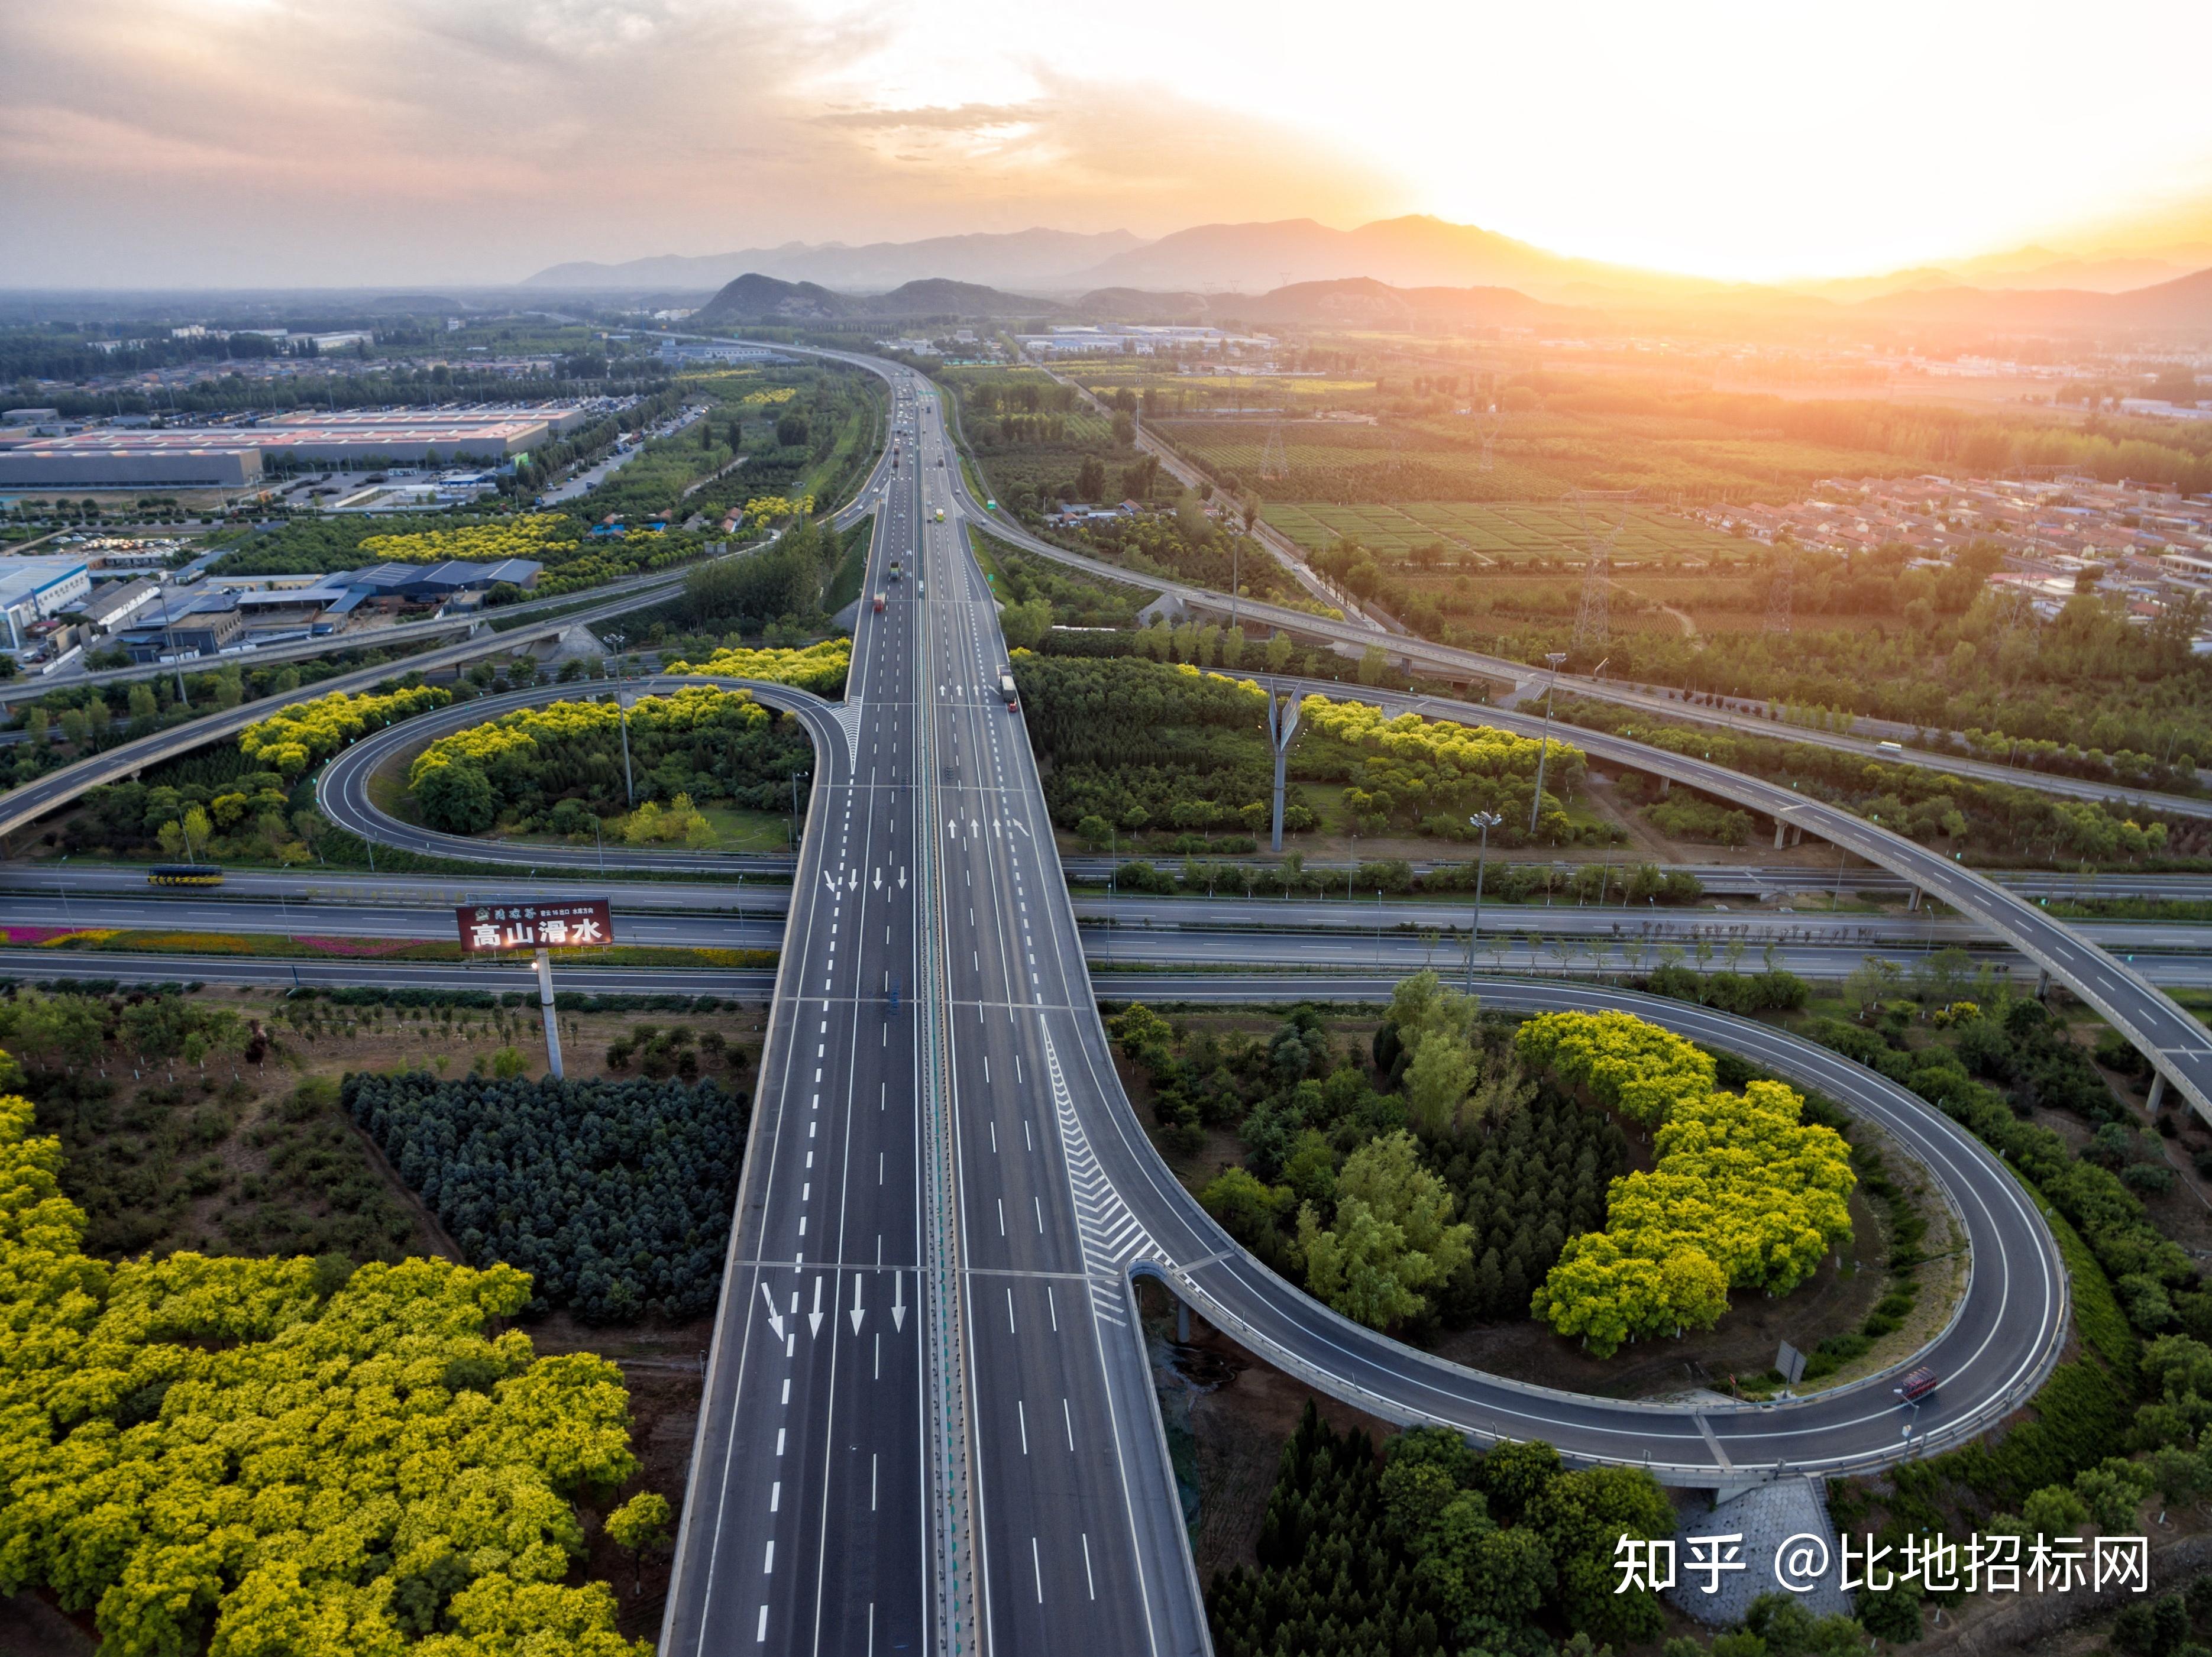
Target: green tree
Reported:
[(639, 1524), (1025, 624), (1581, 1517), (1392, 1235), (457, 799)]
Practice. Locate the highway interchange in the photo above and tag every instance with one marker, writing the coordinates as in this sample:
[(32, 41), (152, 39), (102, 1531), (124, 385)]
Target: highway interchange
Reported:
[(928, 1417)]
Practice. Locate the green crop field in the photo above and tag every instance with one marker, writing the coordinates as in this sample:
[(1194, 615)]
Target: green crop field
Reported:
[(1494, 532), (1536, 456)]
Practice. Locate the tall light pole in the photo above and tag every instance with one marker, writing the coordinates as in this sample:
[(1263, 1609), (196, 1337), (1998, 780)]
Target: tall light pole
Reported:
[(1544, 748), (1485, 821), (622, 718)]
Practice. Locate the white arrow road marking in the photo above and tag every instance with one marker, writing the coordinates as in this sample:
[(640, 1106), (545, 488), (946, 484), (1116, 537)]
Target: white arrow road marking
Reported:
[(856, 880), (856, 1303), (830, 881), (1023, 827), (775, 1322), (814, 1318), (902, 877), (878, 881), (898, 1301)]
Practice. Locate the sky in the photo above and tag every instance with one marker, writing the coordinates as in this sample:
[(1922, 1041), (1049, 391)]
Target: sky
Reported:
[(273, 142)]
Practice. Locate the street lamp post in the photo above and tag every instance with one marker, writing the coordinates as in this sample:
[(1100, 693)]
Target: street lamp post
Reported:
[(1544, 748), (1486, 821), (622, 717)]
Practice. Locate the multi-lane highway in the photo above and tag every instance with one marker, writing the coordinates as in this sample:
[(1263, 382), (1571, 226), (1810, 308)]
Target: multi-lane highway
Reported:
[(1398, 939), (916, 1433)]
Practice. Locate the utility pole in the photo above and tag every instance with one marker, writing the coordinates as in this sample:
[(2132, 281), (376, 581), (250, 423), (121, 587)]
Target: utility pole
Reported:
[(1282, 726), (1485, 821), (545, 1004), (1544, 748), (622, 717)]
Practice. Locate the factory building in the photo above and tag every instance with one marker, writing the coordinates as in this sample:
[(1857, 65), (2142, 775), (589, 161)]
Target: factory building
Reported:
[(232, 457), (33, 589), (67, 462)]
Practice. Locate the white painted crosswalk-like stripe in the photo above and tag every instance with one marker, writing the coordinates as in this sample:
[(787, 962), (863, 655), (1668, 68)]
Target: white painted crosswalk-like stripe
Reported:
[(1111, 1235)]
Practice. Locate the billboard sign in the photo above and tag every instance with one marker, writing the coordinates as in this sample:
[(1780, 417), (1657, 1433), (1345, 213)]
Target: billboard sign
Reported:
[(497, 928)]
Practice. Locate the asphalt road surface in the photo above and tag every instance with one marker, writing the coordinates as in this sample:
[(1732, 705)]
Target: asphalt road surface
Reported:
[(953, 1453), (1170, 932)]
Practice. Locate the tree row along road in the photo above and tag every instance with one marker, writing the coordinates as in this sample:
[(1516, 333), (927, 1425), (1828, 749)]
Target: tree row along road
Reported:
[(1440, 909)]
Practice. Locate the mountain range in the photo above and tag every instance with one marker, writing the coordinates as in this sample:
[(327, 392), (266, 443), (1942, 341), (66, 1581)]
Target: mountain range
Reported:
[(1363, 302), (1414, 252), (1024, 258), (1352, 302)]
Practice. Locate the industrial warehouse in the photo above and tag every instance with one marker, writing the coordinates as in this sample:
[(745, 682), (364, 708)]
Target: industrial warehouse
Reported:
[(236, 456)]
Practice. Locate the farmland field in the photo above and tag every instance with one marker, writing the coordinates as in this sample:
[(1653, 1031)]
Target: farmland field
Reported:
[(1537, 455), (1214, 393), (1497, 532)]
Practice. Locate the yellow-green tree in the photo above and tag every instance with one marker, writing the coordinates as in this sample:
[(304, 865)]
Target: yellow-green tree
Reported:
[(266, 1456), (294, 737), (1744, 1194)]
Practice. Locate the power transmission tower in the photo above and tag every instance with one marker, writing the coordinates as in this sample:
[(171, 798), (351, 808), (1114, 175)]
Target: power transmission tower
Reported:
[(1274, 459), (1604, 514), (1778, 595)]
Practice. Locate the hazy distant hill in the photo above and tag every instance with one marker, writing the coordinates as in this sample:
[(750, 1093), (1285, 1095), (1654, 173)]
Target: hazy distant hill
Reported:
[(1416, 251), (2185, 303), (755, 298), (1036, 259), (1363, 302), (1137, 304)]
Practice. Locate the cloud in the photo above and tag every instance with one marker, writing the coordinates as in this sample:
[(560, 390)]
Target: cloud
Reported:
[(158, 142), (175, 142), (966, 117)]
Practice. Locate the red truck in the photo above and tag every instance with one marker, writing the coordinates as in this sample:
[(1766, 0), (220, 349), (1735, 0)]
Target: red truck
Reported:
[(879, 601), (1920, 1384)]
